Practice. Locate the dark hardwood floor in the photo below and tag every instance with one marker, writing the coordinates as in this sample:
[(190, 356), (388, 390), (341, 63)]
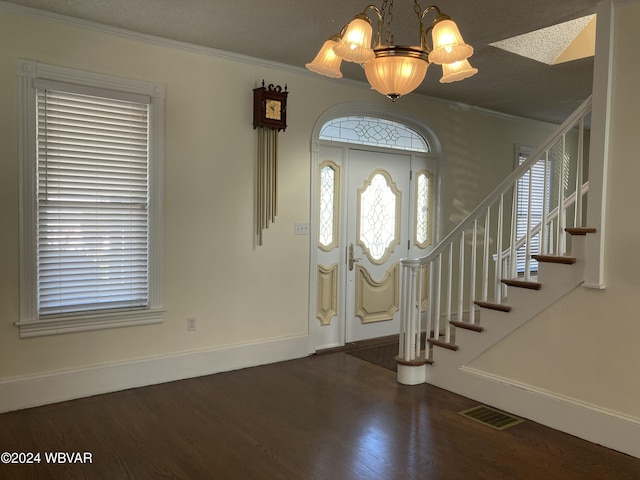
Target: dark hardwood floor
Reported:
[(329, 416)]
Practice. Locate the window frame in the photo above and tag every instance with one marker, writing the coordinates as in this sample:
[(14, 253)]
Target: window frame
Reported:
[(30, 323)]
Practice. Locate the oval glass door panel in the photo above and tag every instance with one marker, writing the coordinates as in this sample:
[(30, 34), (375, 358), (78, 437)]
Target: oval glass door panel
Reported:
[(378, 216)]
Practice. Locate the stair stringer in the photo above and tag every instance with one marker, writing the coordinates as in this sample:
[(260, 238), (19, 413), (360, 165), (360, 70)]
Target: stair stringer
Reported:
[(557, 281)]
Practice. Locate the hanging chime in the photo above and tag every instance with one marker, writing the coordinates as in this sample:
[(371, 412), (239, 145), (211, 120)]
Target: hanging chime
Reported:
[(269, 117)]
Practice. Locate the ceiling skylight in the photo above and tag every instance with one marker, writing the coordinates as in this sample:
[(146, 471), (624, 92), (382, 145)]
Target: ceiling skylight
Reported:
[(555, 44)]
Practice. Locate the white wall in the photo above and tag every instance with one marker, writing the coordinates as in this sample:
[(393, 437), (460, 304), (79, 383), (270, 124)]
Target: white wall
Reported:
[(585, 347), (240, 294)]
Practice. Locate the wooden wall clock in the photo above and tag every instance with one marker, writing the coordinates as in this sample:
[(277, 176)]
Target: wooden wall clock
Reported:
[(270, 107), (269, 117)]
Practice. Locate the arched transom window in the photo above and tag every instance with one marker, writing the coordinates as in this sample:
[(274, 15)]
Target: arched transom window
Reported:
[(376, 132)]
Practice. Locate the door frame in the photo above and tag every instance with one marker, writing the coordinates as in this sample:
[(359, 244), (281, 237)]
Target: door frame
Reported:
[(316, 340)]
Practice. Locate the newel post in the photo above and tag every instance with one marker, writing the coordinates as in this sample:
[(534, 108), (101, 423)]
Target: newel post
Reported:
[(411, 359)]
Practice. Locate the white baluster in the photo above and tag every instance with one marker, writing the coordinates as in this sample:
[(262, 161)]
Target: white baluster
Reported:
[(485, 261), (419, 289), (404, 313), (579, 176), (461, 278), (527, 247), (513, 251), (447, 325), (430, 302), (498, 266), (436, 312), (560, 250), (545, 229), (472, 287)]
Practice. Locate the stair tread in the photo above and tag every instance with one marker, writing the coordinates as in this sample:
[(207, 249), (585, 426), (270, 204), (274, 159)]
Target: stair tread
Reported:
[(443, 344), (564, 259), (421, 360), (514, 282), (580, 230), (467, 326), (493, 306)]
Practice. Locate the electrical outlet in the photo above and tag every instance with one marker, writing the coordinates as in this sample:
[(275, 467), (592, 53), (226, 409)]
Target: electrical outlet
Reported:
[(191, 324), (301, 229)]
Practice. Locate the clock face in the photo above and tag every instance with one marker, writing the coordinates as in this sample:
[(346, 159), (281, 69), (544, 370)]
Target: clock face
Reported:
[(274, 109)]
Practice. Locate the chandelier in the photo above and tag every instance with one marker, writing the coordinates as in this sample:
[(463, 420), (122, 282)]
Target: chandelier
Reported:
[(396, 70)]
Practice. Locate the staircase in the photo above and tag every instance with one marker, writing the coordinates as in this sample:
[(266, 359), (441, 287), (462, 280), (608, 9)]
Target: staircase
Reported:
[(491, 275)]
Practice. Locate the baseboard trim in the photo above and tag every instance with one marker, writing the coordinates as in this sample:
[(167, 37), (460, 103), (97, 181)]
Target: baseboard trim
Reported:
[(584, 420), (36, 390)]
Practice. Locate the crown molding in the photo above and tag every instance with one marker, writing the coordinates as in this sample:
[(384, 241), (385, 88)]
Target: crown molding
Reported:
[(152, 39), (161, 41)]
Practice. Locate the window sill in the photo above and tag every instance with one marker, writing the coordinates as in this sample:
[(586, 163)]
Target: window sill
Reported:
[(83, 323)]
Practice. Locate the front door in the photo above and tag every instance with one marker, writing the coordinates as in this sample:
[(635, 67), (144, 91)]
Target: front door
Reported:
[(375, 207), (378, 198)]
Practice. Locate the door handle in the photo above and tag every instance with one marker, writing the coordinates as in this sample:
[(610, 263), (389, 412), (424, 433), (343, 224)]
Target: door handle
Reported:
[(352, 258)]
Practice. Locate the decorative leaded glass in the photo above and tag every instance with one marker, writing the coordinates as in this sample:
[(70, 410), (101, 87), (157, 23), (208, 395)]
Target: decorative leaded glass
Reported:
[(377, 223), (327, 196), (422, 210), (372, 131)]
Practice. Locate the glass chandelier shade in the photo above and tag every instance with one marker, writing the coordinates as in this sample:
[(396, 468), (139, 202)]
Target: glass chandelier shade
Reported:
[(448, 45), (452, 72), (396, 70), (355, 45), (327, 62)]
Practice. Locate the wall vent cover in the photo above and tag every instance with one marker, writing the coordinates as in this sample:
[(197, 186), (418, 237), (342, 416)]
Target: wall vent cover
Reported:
[(491, 417)]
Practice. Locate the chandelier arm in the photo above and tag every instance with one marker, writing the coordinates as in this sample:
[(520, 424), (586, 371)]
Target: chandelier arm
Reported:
[(428, 9), (380, 21), (424, 39), (424, 34), (439, 17), (338, 36)]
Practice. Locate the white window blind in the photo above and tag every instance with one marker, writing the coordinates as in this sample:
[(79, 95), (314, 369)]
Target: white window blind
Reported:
[(537, 176), (92, 202)]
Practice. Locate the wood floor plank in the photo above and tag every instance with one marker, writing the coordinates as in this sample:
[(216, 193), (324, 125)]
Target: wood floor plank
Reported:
[(332, 416)]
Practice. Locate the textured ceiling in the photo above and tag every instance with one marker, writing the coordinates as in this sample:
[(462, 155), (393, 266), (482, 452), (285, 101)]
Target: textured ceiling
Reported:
[(292, 31), (551, 45)]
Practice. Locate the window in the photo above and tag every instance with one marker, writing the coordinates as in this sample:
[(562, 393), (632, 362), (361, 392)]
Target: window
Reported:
[(91, 168), (423, 209), (376, 132), (328, 203), (540, 173), (379, 204)]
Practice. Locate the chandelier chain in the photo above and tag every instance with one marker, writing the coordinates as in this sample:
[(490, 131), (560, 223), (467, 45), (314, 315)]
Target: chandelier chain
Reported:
[(417, 9), (422, 35), (389, 13)]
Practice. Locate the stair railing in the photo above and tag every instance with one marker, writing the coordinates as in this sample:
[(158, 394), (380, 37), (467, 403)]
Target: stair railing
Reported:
[(439, 291)]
